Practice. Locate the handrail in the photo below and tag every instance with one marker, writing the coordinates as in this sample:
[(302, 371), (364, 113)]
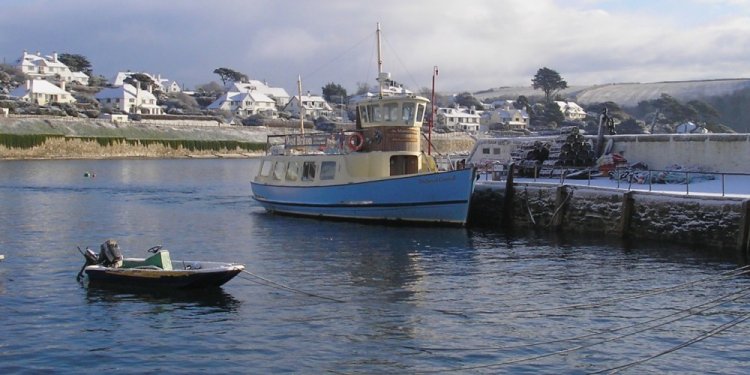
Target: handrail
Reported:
[(630, 179)]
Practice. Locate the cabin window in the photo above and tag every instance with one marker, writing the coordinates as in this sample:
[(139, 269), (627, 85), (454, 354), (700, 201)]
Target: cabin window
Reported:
[(363, 114), (390, 112), (327, 170), (292, 171), (407, 113), (376, 113), (278, 170), (308, 171), (420, 112), (265, 168)]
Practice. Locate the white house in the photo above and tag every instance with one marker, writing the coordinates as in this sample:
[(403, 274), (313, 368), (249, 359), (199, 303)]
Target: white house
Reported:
[(571, 110), (161, 84), (506, 116), (129, 99), (42, 92), (313, 106), (458, 119), (246, 104), (37, 66), (278, 94)]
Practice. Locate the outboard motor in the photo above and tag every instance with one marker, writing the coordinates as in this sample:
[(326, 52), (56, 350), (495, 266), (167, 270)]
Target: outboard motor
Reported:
[(110, 255)]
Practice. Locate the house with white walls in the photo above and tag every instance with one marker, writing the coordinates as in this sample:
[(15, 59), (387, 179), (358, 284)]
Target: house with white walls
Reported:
[(458, 119), (129, 99), (246, 104), (49, 67), (505, 116), (571, 110), (311, 107), (160, 83), (278, 94), (42, 92)]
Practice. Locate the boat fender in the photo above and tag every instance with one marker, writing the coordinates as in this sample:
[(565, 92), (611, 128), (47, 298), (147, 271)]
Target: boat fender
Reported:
[(355, 141)]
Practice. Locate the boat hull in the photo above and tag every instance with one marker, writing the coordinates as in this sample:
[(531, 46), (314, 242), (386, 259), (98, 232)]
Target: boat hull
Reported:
[(208, 277), (441, 197)]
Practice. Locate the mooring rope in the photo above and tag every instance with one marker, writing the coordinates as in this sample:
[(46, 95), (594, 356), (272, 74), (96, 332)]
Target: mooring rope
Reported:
[(274, 284), (743, 293), (699, 338), (608, 301), (706, 305)]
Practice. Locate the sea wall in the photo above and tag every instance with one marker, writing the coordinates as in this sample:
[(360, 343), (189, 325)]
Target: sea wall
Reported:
[(716, 152), (712, 222)]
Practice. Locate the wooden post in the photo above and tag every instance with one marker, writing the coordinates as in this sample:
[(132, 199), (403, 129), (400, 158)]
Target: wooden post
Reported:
[(561, 198), (627, 213), (743, 237), (507, 215)]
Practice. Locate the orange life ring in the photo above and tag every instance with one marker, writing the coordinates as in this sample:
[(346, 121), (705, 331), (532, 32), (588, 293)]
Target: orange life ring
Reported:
[(356, 141)]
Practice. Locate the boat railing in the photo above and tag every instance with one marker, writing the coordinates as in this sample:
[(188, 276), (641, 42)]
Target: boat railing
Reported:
[(334, 143)]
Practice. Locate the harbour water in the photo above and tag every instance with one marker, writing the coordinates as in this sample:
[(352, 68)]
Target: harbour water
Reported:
[(336, 297)]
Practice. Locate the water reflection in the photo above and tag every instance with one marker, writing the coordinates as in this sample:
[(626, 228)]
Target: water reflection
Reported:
[(215, 298)]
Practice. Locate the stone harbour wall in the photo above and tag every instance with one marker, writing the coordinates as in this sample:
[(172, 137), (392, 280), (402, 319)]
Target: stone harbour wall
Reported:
[(710, 222)]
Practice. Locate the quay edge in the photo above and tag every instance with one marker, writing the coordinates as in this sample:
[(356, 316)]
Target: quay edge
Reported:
[(721, 223)]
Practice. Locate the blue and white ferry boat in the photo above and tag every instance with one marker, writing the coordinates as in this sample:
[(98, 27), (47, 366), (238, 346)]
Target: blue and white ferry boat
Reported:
[(377, 172)]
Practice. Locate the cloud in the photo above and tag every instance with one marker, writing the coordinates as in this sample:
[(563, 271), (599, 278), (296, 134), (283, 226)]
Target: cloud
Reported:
[(477, 44)]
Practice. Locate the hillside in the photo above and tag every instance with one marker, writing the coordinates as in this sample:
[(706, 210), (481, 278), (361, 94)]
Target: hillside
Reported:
[(629, 94)]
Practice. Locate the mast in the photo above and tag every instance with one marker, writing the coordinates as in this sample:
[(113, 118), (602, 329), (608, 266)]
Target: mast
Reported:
[(380, 62), (432, 116), (301, 107)]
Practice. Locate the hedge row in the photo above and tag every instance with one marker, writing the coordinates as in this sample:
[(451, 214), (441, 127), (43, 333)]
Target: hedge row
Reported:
[(26, 141)]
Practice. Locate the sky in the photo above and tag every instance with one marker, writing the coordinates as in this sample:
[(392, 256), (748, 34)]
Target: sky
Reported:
[(477, 44)]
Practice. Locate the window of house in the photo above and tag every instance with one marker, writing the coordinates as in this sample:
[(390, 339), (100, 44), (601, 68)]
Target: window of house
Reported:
[(496, 151), (327, 170), (486, 151), (308, 171)]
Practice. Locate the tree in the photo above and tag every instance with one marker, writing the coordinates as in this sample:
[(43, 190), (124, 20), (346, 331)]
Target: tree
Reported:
[(548, 81), (76, 63), (466, 99), (705, 113), (332, 90), (362, 88), (140, 80), (552, 115), (229, 75)]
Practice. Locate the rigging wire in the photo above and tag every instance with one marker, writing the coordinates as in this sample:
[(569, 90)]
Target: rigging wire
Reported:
[(331, 60), (406, 70), (608, 301), (276, 285), (694, 340), (744, 293), (708, 304)]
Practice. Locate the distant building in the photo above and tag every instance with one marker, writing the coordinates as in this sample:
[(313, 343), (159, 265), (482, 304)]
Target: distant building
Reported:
[(312, 107), (278, 94), (246, 104), (571, 111), (129, 99), (37, 66), (42, 92), (458, 119), (161, 84), (505, 116)]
